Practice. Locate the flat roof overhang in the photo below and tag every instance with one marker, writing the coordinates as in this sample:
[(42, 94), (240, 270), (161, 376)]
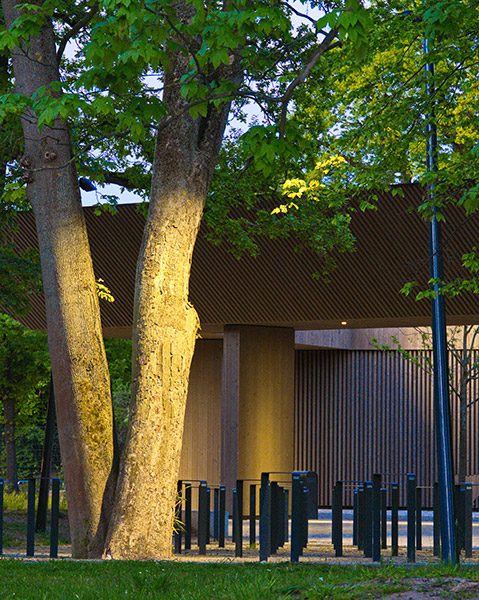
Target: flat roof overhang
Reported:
[(277, 288)]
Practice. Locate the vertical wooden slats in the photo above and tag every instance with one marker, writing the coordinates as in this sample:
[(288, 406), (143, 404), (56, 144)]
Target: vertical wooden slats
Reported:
[(361, 411)]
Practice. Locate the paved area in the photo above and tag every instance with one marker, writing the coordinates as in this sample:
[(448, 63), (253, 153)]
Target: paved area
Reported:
[(319, 549)]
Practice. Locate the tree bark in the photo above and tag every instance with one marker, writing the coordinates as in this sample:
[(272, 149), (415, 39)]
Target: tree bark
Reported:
[(80, 373), (165, 328), (9, 438)]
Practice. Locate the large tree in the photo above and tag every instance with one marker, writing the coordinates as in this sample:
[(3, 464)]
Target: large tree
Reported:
[(207, 58)]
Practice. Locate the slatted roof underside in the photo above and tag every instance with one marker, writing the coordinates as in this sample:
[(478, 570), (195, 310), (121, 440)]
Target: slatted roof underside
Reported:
[(277, 287)]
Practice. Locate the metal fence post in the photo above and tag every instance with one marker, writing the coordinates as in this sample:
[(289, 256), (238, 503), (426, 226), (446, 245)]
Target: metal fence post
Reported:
[(265, 518), (188, 494), (384, 519), (355, 517), (376, 518), (418, 518), (337, 518), (361, 517), (252, 515), (468, 520), (178, 524), (367, 516), (202, 516), (31, 517), (216, 512), (411, 517), (238, 537), (55, 515), (296, 516), (394, 519), (222, 517)]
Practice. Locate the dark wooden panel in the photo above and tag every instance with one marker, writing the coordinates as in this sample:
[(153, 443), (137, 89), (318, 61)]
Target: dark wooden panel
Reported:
[(367, 411)]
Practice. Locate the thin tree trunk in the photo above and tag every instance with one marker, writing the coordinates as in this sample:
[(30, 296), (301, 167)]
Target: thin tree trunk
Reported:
[(9, 438), (80, 373)]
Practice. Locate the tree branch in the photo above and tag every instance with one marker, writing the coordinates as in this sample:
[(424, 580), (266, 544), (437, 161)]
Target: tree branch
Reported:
[(324, 46), (76, 28)]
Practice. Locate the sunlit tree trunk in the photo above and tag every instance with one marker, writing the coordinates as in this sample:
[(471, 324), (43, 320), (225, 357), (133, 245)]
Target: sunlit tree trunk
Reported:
[(165, 328), (80, 373)]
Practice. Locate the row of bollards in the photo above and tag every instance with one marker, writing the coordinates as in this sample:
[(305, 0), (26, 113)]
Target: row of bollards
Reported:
[(54, 519), (281, 495), (370, 521)]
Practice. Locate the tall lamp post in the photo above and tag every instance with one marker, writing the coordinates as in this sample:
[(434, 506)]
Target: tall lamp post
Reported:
[(439, 340)]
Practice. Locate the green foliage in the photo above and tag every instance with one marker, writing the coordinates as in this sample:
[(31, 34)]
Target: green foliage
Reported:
[(24, 369), (118, 353)]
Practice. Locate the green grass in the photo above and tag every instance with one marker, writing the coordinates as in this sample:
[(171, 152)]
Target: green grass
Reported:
[(170, 580)]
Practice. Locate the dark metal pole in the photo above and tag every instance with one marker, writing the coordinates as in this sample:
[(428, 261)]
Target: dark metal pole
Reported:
[(439, 340)]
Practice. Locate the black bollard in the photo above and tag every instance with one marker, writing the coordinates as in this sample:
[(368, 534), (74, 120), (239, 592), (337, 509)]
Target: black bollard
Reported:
[(216, 512), (252, 515), (31, 517), (355, 517), (55, 516), (384, 519), (264, 518), (208, 515), (468, 520), (337, 518), (178, 523), (411, 517), (286, 516), (304, 516), (222, 517), (376, 519), (202, 517), (394, 519), (187, 516), (418, 518), (238, 537), (239, 491), (296, 498), (367, 516), (276, 520), (361, 517)]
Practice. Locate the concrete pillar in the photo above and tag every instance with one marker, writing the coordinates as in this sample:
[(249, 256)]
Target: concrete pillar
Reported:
[(257, 402), (200, 457)]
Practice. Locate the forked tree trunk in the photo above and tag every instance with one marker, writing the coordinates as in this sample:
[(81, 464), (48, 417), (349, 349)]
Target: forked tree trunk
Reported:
[(9, 438), (80, 373), (165, 328)]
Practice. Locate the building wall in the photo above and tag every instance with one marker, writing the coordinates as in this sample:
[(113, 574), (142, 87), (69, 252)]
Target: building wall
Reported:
[(367, 411), (200, 457)]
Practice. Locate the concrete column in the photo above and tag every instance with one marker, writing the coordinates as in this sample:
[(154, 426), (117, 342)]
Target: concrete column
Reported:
[(257, 402), (200, 457)]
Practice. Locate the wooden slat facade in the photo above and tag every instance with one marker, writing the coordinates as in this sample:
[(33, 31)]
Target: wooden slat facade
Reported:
[(360, 412)]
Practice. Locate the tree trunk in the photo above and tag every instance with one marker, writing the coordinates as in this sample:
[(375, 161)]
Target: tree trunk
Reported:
[(80, 373), (164, 344), (9, 437), (165, 328)]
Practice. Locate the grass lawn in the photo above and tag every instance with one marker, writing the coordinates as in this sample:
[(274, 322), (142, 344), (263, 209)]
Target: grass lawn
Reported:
[(165, 580)]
